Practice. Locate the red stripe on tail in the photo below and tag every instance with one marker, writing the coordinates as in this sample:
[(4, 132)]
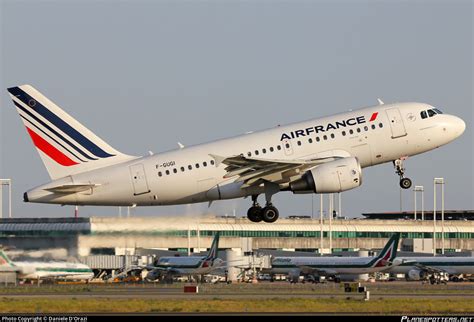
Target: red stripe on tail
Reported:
[(50, 150), (374, 116)]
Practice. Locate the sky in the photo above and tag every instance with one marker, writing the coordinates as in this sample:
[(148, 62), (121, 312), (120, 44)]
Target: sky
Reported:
[(144, 75)]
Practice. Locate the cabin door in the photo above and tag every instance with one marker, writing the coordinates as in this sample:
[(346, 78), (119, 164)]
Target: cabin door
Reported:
[(396, 123), (140, 184)]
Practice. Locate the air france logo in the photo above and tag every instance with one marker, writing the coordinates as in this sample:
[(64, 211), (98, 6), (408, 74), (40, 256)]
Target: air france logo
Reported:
[(329, 126)]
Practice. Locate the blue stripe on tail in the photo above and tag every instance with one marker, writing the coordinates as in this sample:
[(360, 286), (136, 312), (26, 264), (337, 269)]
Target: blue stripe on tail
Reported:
[(58, 122)]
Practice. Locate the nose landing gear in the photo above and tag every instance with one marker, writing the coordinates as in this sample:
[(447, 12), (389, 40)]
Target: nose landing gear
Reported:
[(405, 183)]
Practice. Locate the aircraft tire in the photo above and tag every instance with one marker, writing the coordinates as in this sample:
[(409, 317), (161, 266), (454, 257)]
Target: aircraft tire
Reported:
[(270, 214), (254, 214), (405, 183)]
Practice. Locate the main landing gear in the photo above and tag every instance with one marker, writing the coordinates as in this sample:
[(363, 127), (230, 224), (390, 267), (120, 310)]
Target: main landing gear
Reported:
[(405, 183), (256, 213)]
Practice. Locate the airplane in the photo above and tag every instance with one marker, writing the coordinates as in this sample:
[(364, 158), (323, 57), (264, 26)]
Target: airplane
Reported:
[(433, 269), (337, 267), (324, 155), (187, 265), (48, 270)]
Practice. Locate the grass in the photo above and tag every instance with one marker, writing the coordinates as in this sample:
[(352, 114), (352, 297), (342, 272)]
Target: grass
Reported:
[(102, 305)]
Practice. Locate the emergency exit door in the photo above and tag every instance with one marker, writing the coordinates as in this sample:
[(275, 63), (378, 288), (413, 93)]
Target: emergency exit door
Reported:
[(396, 123), (140, 184)]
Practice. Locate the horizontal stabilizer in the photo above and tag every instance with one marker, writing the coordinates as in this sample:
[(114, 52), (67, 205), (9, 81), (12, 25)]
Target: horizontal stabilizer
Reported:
[(72, 188)]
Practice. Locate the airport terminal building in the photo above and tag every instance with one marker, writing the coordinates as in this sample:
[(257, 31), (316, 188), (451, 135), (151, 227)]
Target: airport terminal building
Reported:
[(127, 236)]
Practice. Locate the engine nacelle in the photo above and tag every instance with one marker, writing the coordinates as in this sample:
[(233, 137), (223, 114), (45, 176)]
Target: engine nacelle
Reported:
[(294, 275), (415, 275), (334, 176)]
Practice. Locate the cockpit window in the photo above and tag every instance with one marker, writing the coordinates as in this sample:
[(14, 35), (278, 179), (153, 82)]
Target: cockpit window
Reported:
[(423, 115), (431, 113), (437, 111)]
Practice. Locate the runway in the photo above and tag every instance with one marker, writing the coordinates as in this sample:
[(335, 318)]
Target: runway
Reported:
[(264, 290)]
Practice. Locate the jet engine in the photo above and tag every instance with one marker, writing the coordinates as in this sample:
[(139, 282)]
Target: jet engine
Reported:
[(334, 176), (294, 275), (415, 275)]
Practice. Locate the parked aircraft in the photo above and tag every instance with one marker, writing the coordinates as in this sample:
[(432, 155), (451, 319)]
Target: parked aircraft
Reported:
[(47, 270), (433, 269), (187, 265), (337, 267), (323, 155)]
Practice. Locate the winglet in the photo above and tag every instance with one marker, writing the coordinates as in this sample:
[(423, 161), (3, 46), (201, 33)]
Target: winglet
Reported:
[(217, 158), (380, 101)]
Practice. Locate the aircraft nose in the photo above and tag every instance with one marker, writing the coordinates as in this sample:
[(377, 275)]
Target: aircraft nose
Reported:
[(458, 125)]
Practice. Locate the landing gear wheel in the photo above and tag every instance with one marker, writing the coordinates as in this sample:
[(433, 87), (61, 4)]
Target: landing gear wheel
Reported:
[(254, 214), (270, 214), (405, 183)]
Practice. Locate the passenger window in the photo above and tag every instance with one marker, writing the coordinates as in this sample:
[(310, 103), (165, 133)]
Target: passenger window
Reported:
[(380, 125), (190, 167), (249, 154), (197, 165), (264, 150), (212, 162), (287, 145), (431, 113), (358, 130), (423, 115), (332, 135), (278, 147), (343, 133), (373, 126), (325, 137), (167, 172), (271, 149), (182, 169), (159, 174), (175, 171), (256, 152), (366, 128), (351, 131), (299, 142), (318, 139), (204, 163), (310, 140)]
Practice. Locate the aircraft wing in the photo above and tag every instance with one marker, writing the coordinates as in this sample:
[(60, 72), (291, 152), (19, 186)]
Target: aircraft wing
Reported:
[(430, 269), (253, 171)]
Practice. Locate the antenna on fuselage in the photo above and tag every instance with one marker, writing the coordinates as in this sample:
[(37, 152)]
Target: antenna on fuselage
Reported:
[(181, 146), (380, 101)]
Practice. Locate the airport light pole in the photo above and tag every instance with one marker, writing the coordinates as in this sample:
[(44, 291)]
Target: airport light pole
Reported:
[(6, 182), (439, 181), (415, 190), (321, 219), (331, 208), (340, 204)]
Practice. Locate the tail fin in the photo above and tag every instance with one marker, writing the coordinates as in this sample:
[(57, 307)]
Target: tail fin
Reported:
[(214, 248), (65, 145), (4, 260), (388, 253)]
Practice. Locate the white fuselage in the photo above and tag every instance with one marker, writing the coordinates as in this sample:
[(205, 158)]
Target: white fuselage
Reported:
[(191, 174), (330, 265), (451, 265), (54, 270), (191, 265)]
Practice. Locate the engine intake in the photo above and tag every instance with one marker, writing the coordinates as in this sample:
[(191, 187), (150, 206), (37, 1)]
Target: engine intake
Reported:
[(334, 176)]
